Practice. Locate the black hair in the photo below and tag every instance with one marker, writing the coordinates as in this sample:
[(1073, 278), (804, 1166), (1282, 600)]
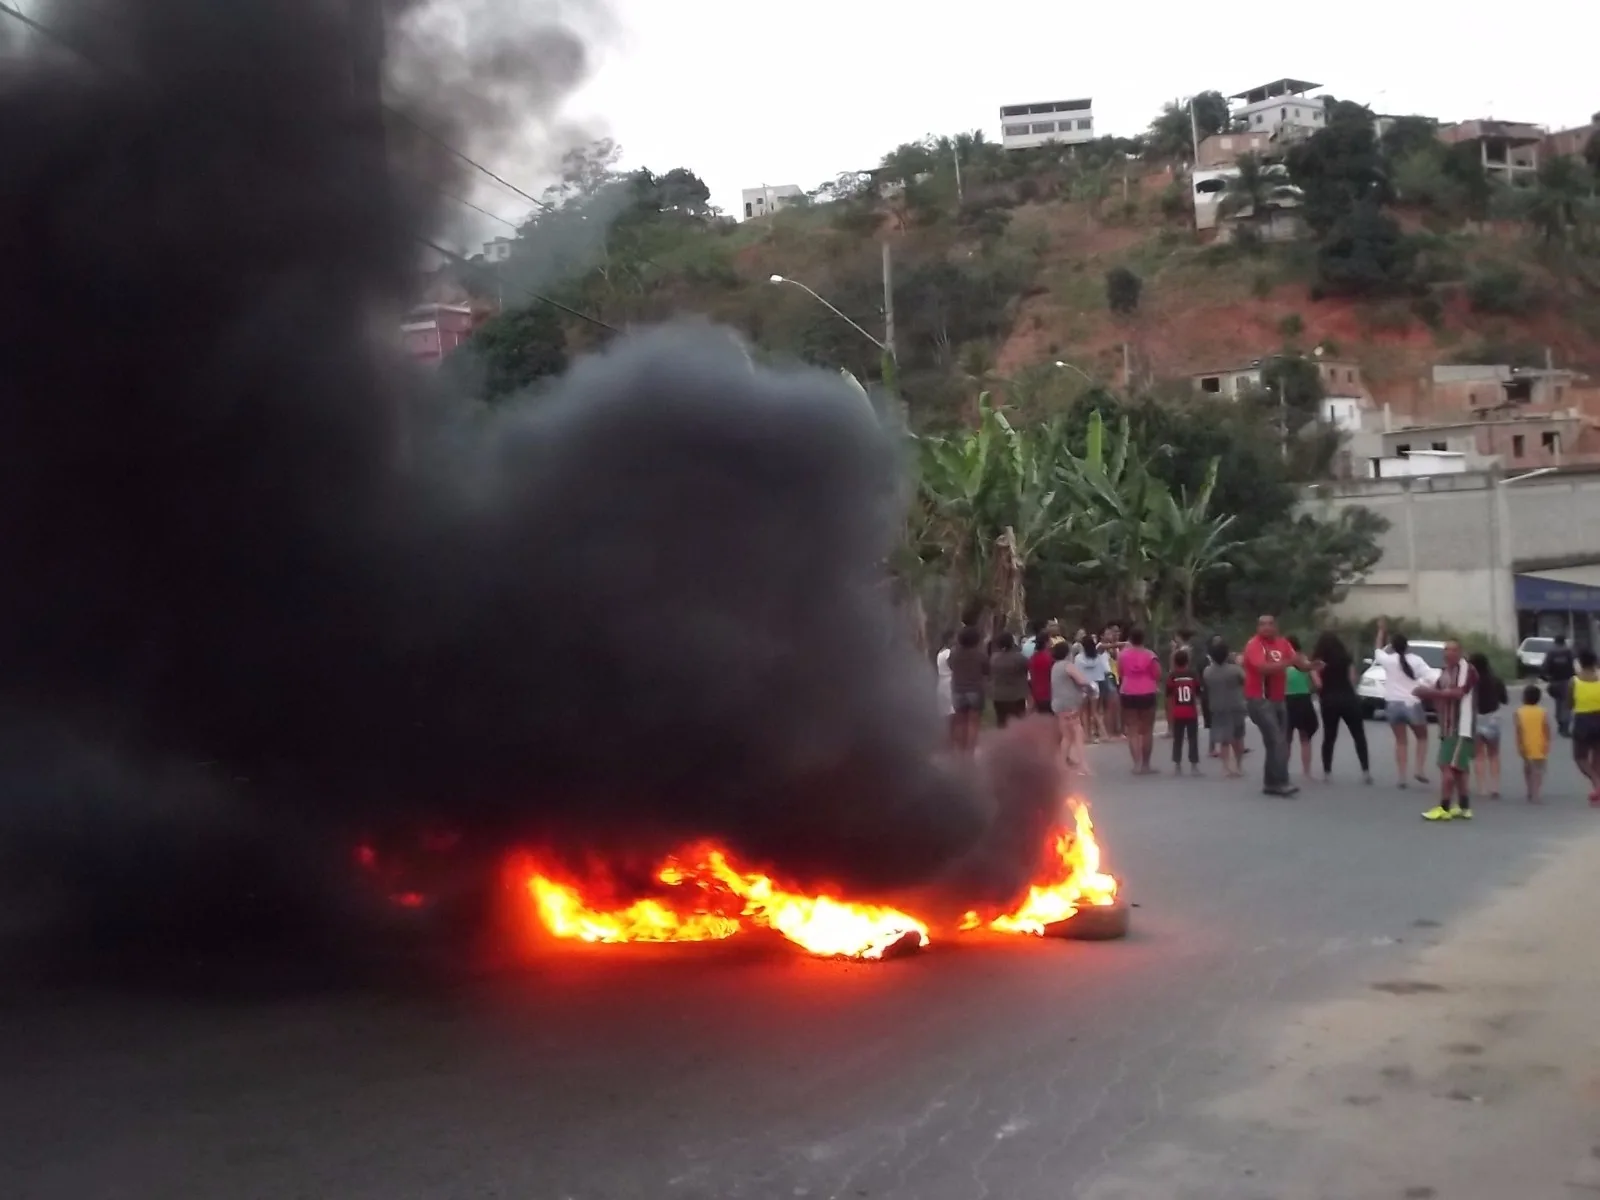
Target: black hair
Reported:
[(1401, 647), (1135, 636), (1561, 639), (1218, 650), (1586, 659), (1180, 658), (1060, 651), (1532, 694), (1186, 633), (1091, 645), (1489, 686), (1005, 642), (969, 636), (1330, 648)]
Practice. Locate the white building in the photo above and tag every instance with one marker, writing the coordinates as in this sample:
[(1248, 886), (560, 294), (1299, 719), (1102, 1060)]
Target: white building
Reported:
[(1024, 126), (1281, 109), (498, 250), (764, 200)]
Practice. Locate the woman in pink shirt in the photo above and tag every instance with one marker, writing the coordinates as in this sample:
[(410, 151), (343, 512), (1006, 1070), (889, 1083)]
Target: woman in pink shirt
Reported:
[(1140, 672)]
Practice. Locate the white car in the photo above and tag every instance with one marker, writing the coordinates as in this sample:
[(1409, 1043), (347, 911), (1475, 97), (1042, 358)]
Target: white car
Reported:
[(1530, 656), (1370, 689)]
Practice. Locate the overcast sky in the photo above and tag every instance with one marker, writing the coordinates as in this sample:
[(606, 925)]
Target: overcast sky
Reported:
[(796, 91)]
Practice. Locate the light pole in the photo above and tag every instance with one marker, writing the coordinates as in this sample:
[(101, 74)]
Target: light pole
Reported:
[(884, 346), (1503, 559), (1081, 373)]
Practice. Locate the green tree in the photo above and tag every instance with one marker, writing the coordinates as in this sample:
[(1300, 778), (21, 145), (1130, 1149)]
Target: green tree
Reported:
[(1123, 289), (1191, 543), (1364, 254), (1304, 563), (1172, 132), (510, 353), (1561, 207), (1340, 168), (1408, 136)]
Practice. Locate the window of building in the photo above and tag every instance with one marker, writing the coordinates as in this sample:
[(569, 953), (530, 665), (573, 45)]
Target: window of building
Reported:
[(1519, 391), (1016, 131), (1551, 441), (1561, 393), (1044, 127), (1403, 450), (748, 211), (1518, 442), (1440, 446), (1212, 384), (1085, 124), (1297, 114), (1259, 119), (1285, 116)]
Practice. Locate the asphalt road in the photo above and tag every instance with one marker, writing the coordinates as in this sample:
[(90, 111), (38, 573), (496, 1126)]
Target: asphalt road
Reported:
[(1022, 1070)]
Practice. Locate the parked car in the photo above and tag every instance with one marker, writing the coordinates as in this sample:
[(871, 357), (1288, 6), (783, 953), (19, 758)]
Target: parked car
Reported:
[(1370, 688), (1530, 656)]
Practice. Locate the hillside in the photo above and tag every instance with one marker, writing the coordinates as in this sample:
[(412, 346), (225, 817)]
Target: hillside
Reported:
[(1000, 275)]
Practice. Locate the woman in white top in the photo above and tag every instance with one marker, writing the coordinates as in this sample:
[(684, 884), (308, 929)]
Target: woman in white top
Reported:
[(1403, 674), (1092, 664)]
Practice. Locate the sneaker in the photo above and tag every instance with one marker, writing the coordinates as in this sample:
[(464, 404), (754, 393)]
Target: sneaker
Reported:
[(1462, 814), (1439, 813)]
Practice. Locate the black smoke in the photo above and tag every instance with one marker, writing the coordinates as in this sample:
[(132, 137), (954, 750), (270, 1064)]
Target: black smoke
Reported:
[(264, 588)]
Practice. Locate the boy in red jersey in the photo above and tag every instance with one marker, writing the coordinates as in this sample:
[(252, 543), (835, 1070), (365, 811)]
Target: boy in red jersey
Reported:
[(1183, 712)]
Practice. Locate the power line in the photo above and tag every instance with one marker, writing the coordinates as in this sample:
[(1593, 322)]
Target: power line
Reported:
[(56, 36), (465, 157), (529, 292), (475, 208)]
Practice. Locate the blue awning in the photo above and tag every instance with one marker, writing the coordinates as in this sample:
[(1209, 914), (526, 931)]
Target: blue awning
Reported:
[(1552, 595)]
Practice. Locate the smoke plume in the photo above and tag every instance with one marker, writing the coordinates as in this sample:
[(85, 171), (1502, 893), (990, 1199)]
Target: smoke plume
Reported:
[(264, 586)]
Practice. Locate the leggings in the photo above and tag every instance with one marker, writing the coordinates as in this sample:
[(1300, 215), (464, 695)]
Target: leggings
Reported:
[(1344, 708)]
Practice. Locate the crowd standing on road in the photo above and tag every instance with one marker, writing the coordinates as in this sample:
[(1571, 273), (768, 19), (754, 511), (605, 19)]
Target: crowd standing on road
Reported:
[(1110, 686)]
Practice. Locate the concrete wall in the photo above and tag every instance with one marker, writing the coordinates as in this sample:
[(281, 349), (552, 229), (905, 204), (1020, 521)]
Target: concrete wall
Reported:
[(1455, 542)]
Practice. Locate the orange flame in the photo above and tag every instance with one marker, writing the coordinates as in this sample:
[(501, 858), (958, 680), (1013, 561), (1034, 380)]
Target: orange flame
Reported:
[(1070, 880), (706, 897), (820, 924)]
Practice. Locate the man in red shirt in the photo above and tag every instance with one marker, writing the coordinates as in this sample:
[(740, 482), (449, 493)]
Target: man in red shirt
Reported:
[(1266, 657)]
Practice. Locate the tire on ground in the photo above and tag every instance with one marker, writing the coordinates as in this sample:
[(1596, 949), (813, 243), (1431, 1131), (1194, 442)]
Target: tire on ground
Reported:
[(1099, 923)]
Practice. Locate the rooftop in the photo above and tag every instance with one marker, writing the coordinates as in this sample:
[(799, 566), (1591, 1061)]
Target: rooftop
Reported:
[(1278, 87), (1083, 104), (1516, 131)]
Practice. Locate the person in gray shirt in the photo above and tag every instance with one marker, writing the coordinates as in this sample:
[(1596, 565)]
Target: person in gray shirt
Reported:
[(1224, 690), (1068, 686)]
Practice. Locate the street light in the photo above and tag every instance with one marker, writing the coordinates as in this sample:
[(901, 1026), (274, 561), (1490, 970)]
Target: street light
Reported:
[(1503, 560), (796, 283), (1082, 374)]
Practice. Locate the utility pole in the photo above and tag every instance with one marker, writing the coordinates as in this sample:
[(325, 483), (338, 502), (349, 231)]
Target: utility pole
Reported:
[(1194, 132), (891, 362), (955, 153)]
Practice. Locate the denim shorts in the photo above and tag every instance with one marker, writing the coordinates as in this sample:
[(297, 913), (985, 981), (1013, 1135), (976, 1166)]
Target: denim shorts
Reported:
[(965, 702), (1487, 729), (1409, 712)]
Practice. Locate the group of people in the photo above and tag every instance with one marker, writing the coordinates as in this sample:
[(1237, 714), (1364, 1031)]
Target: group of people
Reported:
[(1096, 687)]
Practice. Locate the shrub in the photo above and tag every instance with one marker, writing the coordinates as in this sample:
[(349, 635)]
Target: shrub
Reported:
[(1365, 254), (1502, 291), (1174, 202), (1291, 326), (1429, 311), (1123, 288), (1393, 316)]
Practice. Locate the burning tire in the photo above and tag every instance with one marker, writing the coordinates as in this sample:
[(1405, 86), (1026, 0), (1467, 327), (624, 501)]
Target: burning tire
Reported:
[(1098, 923)]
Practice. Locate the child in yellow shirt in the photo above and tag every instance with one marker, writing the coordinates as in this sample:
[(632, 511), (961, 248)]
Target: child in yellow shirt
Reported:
[(1533, 740)]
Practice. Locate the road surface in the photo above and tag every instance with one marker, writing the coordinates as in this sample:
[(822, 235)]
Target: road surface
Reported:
[(1273, 1029)]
